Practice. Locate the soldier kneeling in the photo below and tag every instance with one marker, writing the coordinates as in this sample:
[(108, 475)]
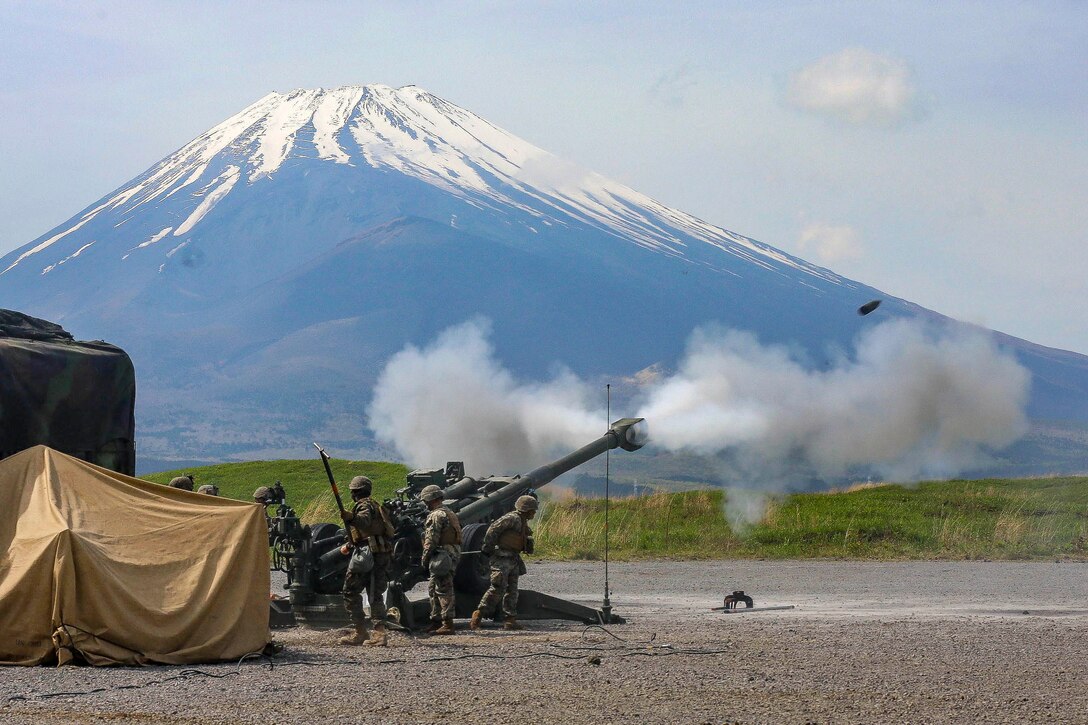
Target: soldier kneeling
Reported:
[(504, 541)]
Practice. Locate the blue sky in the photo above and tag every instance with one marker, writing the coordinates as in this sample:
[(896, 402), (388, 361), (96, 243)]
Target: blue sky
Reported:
[(936, 151)]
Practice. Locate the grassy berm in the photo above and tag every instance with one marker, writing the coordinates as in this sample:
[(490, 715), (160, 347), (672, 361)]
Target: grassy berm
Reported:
[(985, 519)]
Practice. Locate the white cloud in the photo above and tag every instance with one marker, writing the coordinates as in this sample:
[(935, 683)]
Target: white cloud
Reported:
[(830, 243), (546, 171), (857, 86), (671, 88)]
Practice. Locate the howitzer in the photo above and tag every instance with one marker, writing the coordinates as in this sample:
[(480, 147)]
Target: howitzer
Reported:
[(315, 567)]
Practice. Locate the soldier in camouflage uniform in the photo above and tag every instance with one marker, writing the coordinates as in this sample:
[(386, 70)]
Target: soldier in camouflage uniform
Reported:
[(441, 539), (504, 541), (263, 495), (373, 530)]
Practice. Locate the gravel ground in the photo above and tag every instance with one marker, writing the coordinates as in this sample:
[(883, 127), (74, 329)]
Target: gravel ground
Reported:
[(928, 642)]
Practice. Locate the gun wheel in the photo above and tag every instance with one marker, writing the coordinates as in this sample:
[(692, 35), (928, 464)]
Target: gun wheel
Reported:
[(473, 573)]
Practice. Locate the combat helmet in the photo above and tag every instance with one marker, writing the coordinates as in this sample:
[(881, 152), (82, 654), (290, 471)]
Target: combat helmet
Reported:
[(431, 493), (210, 489), (362, 484), (263, 495), (525, 504), (185, 483)]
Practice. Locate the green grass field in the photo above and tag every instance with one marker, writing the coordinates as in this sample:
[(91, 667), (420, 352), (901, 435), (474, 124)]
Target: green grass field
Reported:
[(987, 519)]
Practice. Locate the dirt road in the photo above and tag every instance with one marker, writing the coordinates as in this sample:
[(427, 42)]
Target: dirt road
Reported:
[(867, 642)]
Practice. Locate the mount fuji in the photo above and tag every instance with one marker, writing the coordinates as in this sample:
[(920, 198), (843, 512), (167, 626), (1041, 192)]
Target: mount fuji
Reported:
[(261, 275)]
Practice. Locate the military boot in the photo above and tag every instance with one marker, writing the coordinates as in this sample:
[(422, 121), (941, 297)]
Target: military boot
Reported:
[(446, 628), (360, 636), (378, 639), (511, 623), (474, 623), (435, 625)]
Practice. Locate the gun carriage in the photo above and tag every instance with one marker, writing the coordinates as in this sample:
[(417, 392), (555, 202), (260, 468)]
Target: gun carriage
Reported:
[(315, 567)]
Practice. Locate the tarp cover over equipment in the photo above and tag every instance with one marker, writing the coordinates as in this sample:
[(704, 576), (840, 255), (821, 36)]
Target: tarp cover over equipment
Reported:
[(117, 570)]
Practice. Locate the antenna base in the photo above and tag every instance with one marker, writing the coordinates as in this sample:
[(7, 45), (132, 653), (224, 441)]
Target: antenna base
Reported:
[(606, 611)]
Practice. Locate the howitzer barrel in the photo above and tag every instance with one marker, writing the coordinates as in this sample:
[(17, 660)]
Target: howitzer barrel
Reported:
[(460, 489), (622, 434)]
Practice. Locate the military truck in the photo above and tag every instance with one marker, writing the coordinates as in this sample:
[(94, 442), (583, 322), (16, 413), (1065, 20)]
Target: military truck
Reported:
[(76, 397)]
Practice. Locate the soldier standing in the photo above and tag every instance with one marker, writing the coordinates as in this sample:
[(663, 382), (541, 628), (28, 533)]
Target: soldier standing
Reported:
[(441, 552), (504, 541), (371, 525)]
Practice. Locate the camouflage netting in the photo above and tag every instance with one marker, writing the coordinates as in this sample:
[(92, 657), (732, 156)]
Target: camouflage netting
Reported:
[(73, 396)]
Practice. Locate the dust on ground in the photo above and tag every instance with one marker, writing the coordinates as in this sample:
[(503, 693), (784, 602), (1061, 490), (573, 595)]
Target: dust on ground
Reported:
[(925, 642)]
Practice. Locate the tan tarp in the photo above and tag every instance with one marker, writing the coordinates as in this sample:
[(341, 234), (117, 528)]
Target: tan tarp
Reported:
[(122, 571)]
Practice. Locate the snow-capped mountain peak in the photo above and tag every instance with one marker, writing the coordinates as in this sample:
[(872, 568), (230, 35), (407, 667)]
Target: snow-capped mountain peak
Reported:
[(405, 130)]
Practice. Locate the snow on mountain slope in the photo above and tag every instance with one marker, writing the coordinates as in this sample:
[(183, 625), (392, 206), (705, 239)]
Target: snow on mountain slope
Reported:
[(412, 132)]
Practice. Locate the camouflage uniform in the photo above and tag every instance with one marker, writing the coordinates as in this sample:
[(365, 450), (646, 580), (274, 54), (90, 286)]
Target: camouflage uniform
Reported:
[(442, 531), (367, 521), (506, 538)]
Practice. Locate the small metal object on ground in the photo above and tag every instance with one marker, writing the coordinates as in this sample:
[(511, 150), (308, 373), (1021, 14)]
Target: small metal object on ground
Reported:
[(739, 597), (734, 610)]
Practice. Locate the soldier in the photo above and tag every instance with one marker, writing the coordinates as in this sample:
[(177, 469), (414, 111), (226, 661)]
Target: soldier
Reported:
[(504, 541), (263, 495), (185, 483), (371, 526), (210, 489), (441, 552)]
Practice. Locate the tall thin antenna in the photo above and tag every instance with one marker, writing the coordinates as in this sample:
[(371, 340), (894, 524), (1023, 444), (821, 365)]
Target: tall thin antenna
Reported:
[(606, 606)]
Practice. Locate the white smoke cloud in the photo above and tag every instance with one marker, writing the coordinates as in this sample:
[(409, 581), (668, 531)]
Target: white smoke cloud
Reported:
[(857, 86), (914, 401), (453, 400)]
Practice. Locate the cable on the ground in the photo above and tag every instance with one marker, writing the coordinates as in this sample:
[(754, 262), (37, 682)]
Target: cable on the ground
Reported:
[(615, 636), (635, 649), (182, 675)]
